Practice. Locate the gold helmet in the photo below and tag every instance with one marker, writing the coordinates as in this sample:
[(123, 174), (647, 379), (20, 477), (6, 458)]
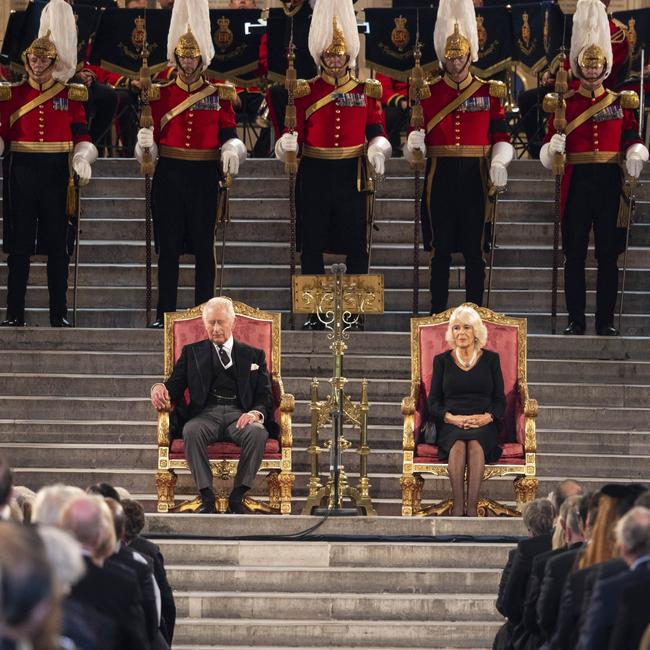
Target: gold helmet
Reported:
[(337, 46), (592, 57), (187, 45), (42, 46), (456, 45)]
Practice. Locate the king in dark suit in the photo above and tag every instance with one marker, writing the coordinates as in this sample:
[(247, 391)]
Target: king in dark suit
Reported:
[(230, 400)]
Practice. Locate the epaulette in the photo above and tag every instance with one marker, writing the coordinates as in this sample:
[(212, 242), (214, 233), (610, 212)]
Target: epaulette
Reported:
[(432, 81), (302, 88), (5, 92), (629, 99), (77, 92), (373, 88), (497, 89), (227, 92)]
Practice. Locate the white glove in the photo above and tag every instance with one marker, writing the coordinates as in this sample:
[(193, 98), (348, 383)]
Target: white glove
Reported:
[(233, 152), (635, 156), (145, 138), (288, 142), (498, 174), (415, 141), (84, 154), (230, 162), (2, 146), (379, 150), (557, 144)]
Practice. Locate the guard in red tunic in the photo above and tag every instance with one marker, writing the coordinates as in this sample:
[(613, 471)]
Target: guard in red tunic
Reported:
[(601, 133), (43, 128), (336, 115), (465, 134), (194, 129)]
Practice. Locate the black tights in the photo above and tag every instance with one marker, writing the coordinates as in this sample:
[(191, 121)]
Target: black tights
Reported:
[(465, 454)]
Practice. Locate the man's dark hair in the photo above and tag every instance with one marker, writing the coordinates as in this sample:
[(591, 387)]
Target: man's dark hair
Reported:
[(134, 514), (105, 490), (6, 481)]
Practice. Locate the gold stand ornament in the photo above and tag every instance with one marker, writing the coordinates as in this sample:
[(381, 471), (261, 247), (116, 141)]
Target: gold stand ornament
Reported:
[(339, 301)]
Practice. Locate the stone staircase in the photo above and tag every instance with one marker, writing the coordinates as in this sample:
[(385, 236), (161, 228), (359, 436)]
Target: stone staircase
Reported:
[(74, 408)]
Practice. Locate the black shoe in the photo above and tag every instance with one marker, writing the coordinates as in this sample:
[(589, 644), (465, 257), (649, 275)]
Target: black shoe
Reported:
[(608, 330), (59, 321), (207, 508), (574, 329), (237, 508), (313, 324), (13, 322), (158, 324)]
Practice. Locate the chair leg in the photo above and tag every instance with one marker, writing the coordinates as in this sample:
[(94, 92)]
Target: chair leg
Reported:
[(525, 490), (408, 484), (166, 488), (274, 489), (286, 480)]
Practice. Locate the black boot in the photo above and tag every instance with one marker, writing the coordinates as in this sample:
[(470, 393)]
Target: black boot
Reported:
[(207, 502), (236, 501)]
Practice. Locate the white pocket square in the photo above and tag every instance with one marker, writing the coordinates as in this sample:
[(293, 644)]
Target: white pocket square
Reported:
[(254, 366)]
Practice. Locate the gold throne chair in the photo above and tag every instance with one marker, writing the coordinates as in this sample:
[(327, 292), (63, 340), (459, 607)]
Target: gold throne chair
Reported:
[(262, 330), (507, 337)]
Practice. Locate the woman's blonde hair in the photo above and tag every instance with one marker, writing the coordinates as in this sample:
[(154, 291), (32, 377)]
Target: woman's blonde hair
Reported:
[(467, 316), (602, 544)]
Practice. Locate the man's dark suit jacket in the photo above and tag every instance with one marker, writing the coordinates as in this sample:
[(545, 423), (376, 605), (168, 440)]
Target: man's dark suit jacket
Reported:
[(144, 573), (633, 616), (515, 589), (556, 572), (575, 601), (117, 597), (604, 607), (168, 606), (193, 371)]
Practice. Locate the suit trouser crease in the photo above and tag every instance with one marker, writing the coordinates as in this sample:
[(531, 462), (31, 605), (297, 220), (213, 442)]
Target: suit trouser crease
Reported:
[(218, 423)]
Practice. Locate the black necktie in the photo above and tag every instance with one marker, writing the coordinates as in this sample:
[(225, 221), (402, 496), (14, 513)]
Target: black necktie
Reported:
[(223, 355)]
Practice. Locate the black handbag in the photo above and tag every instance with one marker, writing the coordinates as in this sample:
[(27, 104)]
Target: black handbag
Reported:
[(429, 433)]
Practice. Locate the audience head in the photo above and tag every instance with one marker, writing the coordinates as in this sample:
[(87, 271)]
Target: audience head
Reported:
[(6, 482), (134, 514), (564, 489), (633, 534), (563, 532), (105, 490), (119, 520), (615, 500), (24, 498), (242, 4), (90, 522), (219, 319), (51, 500), (538, 516), (643, 499), (28, 610), (64, 555), (466, 329)]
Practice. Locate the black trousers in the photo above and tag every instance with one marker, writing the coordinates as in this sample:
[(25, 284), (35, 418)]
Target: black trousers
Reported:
[(35, 221), (100, 108), (331, 214), (593, 200), (396, 122), (184, 203), (453, 220), (533, 117)]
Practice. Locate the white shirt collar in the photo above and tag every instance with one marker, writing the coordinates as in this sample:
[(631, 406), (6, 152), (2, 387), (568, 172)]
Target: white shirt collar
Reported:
[(227, 345), (641, 560)]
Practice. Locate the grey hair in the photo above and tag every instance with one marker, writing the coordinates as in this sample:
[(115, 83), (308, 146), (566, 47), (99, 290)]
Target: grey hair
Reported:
[(633, 531), (538, 516), (51, 500), (220, 302), (64, 555), (573, 520), (467, 316)]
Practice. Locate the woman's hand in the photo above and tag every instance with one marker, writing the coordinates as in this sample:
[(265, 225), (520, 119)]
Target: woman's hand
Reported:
[(479, 420), (459, 421)]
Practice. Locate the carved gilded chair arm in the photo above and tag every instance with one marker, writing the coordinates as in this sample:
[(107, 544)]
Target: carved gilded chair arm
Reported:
[(287, 406), (408, 411), (531, 408), (163, 428)]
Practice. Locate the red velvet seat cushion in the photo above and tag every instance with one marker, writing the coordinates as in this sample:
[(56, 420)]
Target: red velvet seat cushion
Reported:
[(513, 454), (227, 450)]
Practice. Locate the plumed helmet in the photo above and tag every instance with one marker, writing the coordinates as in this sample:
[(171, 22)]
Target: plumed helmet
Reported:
[(591, 42), (455, 33), (189, 32), (334, 30)]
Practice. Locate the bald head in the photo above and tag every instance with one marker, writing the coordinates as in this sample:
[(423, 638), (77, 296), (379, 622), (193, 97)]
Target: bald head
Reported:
[(90, 522)]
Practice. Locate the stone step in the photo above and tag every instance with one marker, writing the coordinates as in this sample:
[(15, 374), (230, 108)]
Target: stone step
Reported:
[(298, 555), (132, 275), (540, 346), (129, 456), (266, 647), (587, 442), (275, 299), (316, 634), (337, 607)]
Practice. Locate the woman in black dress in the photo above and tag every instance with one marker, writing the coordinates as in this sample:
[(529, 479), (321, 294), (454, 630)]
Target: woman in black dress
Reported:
[(466, 401)]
